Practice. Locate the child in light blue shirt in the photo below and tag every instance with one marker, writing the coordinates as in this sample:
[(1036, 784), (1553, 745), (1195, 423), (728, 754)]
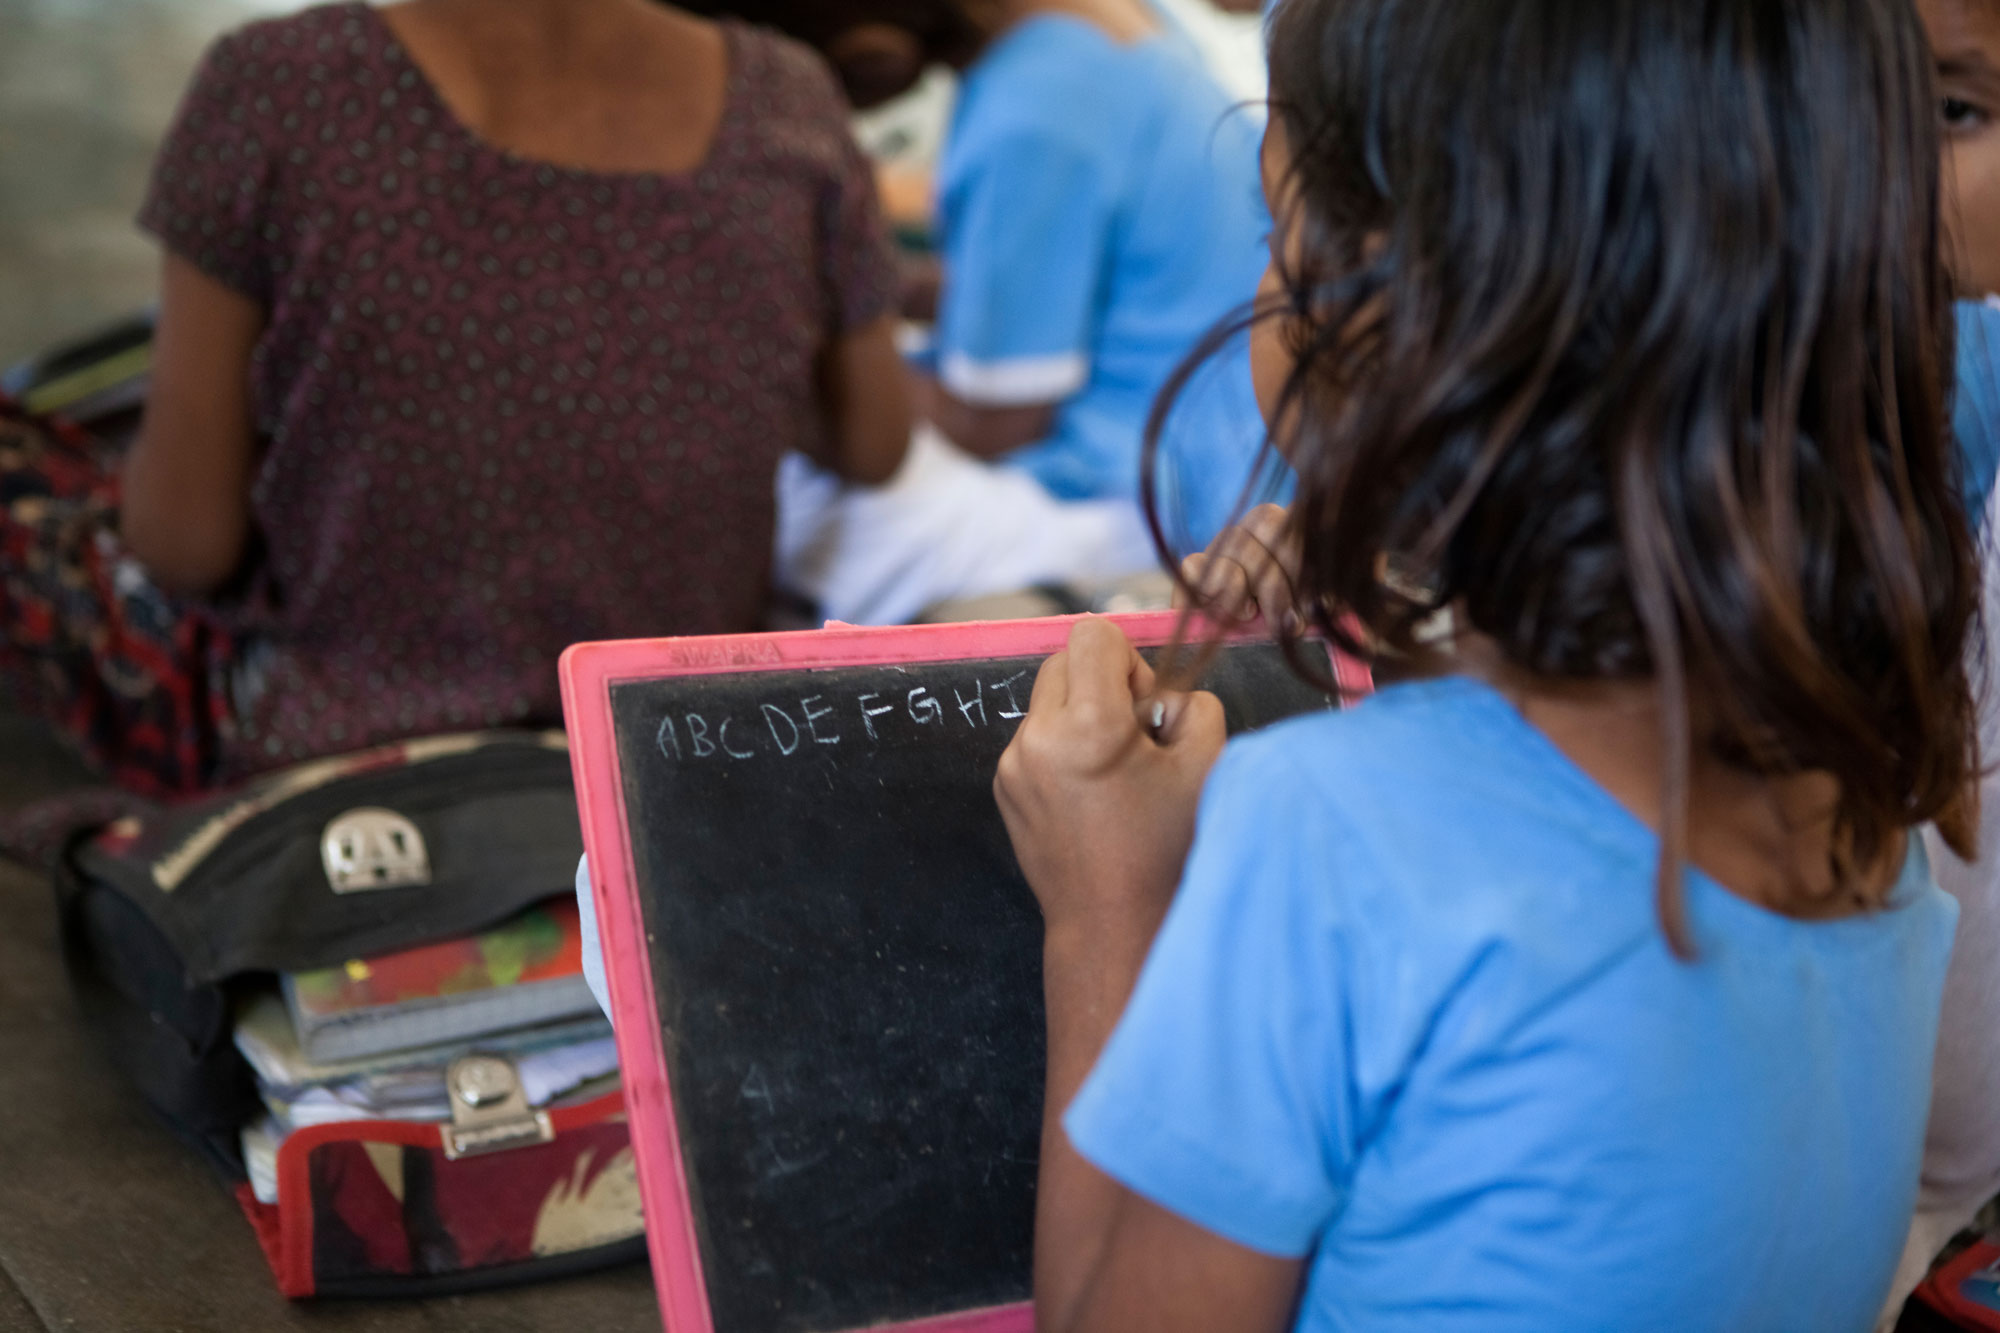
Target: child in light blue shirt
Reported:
[(1588, 978), (1976, 403), (1099, 212), (1465, 1074)]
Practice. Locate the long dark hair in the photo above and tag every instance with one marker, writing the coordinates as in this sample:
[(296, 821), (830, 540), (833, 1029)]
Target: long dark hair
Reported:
[(1621, 329)]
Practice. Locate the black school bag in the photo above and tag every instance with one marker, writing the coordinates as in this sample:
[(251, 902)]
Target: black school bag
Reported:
[(170, 915)]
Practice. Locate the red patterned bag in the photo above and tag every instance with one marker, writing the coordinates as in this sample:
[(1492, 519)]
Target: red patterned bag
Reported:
[(174, 918), (379, 1208)]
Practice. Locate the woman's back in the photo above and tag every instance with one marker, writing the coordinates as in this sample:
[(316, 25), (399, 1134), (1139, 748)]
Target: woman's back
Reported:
[(1507, 1104), (570, 84), (506, 404)]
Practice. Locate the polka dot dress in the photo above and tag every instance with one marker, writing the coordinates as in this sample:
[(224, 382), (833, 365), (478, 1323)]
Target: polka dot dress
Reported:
[(505, 406)]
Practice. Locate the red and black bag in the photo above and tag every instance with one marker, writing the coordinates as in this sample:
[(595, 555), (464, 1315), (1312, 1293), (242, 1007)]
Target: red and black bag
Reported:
[(1962, 1293), (169, 918)]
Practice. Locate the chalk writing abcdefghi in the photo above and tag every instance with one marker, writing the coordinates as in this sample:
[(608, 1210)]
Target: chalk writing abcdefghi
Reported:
[(783, 727)]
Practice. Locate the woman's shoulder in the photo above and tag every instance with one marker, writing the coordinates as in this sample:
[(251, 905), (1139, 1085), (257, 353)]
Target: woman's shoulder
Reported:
[(327, 38), (788, 80), (789, 103), (265, 100)]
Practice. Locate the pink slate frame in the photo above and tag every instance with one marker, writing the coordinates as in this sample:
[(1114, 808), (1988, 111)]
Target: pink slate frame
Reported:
[(589, 670)]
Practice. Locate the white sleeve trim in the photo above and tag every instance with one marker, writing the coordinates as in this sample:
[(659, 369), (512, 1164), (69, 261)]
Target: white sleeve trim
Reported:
[(1018, 382)]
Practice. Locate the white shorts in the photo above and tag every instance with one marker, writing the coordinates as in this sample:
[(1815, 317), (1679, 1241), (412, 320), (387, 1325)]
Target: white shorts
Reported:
[(947, 526)]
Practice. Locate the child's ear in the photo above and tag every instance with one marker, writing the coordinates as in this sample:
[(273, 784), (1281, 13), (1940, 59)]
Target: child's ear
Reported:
[(876, 62)]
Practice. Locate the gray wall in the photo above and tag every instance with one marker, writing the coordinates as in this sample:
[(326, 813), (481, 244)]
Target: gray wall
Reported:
[(86, 90)]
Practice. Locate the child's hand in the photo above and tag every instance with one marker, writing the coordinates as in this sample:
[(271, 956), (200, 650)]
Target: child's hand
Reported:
[(1250, 570), (1100, 811)]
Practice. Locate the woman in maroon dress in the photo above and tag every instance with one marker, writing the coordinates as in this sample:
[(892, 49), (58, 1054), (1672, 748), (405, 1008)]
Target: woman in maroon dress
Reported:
[(484, 325)]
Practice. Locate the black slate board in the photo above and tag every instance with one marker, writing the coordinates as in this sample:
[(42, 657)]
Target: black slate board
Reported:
[(848, 966)]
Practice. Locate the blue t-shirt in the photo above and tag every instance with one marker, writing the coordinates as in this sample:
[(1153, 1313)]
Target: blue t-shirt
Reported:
[(1976, 404), (1099, 211), (1412, 1017)]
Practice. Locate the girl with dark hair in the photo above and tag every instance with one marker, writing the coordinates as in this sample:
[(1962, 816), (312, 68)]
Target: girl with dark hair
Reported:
[(1588, 977), (1962, 1147)]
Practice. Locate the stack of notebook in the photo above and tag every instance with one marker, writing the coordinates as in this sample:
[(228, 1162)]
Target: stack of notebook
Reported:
[(371, 1040)]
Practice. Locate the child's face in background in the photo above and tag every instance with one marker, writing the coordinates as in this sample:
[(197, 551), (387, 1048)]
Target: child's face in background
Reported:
[(1271, 356), (1965, 38)]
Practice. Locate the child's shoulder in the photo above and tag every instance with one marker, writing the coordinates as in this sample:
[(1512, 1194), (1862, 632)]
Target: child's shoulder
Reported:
[(1056, 73), (1437, 787), (1052, 44), (1416, 728)]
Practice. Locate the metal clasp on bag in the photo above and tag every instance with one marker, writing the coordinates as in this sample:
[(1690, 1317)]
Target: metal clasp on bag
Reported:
[(370, 849), (489, 1109)]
